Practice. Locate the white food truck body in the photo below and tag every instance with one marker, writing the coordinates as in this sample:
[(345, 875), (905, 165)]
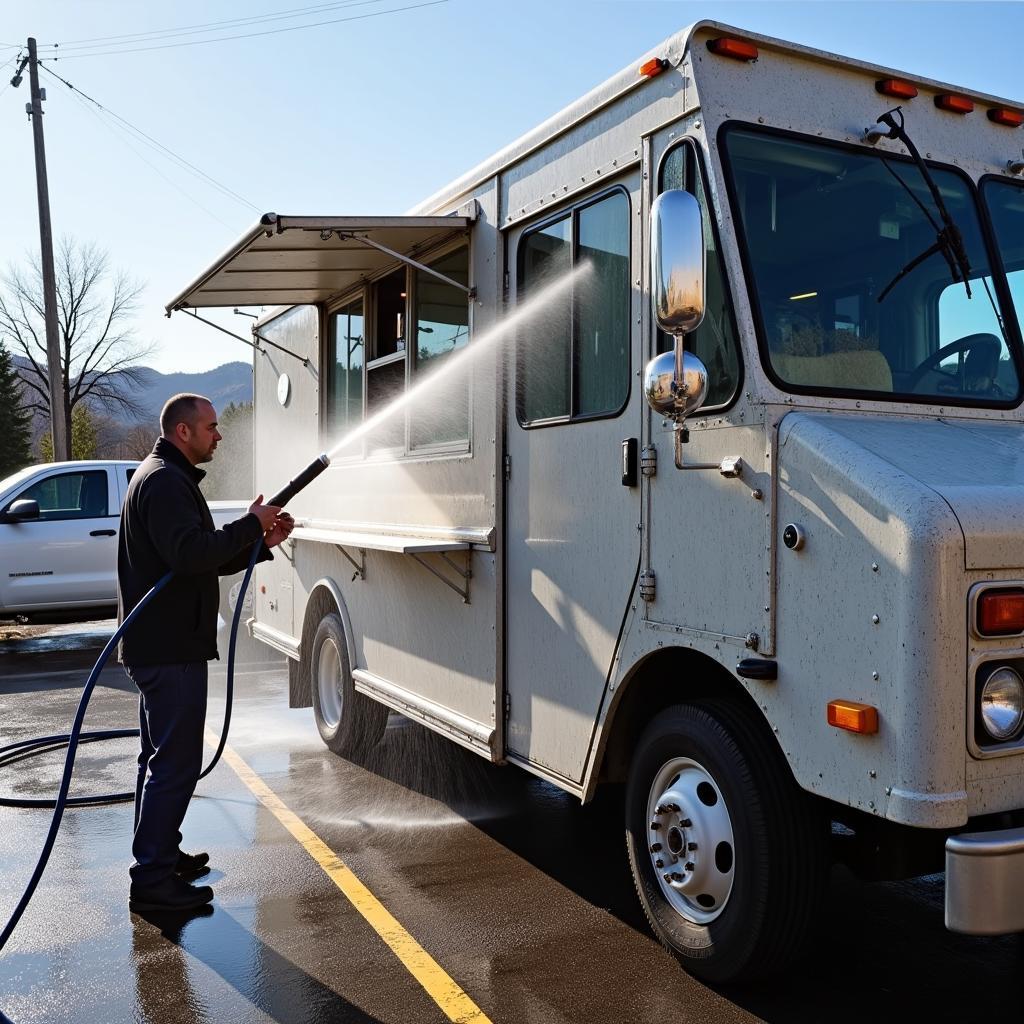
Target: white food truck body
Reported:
[(530, 573)]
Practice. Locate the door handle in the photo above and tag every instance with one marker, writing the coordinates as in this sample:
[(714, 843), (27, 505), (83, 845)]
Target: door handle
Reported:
[(103, 533)]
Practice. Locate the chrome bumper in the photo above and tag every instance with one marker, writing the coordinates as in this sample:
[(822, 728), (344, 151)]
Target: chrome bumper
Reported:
[(985, 882)]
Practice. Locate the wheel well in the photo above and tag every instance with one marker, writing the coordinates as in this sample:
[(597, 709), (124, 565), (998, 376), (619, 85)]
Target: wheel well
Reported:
[(665, 677)]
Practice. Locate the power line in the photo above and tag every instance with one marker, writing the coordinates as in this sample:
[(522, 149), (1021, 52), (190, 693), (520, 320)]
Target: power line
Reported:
[(110, 126), (79, 44), (253, 35), (158, 145)]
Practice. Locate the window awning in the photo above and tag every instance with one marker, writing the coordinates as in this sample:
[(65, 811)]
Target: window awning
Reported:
[(288, 261)]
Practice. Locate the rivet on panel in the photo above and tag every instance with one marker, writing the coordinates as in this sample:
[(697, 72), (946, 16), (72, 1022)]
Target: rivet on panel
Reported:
[(874, 675), (875, 619), (874, 567)]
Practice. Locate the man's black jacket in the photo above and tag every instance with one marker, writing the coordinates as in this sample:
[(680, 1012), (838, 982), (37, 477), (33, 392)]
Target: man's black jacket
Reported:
[(166, 525)]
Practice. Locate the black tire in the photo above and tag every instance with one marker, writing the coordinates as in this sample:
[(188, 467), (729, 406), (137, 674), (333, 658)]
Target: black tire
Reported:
[(735, 911), (350, 723)]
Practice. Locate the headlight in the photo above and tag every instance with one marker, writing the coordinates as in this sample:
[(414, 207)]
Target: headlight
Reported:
[(1002, 704)]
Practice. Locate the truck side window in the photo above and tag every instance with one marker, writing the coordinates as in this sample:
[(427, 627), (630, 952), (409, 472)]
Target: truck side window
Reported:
[(714, 342), (70, 495), (573, 355), (441, 319), (347, 348)]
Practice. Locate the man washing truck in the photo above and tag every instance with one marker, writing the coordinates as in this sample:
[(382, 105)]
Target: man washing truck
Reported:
[(166, 525)]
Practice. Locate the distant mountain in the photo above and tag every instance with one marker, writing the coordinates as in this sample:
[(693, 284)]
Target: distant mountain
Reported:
[(231, 382)]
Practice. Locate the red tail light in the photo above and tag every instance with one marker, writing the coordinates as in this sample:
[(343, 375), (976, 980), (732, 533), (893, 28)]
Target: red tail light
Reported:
[(1001, 612), (896, 87), (957, 104), (1004, 116)]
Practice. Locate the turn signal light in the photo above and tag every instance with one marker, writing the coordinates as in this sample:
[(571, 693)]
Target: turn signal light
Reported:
[(1001, 612), (957, 104), (896, 87), (853, 716), (653, 67), (1010, 118), (735, 48)]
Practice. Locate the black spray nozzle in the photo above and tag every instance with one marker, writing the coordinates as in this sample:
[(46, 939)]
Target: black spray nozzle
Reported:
[(303, 480)]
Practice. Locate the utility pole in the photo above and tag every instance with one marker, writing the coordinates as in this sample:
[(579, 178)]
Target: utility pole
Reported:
[(58, 425)]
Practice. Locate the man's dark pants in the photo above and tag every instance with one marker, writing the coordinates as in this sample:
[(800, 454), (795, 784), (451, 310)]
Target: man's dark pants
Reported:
[(172, 715)]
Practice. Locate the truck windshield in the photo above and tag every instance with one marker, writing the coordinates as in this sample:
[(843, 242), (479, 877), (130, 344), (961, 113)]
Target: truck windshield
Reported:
[(824, 229), (1005, 201)]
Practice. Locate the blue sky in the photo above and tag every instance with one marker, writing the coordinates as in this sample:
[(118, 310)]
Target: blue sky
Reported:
[(364, 116)]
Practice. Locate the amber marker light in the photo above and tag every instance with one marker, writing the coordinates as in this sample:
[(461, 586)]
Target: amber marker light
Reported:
[(853, 716), (1001, 612), (956, 104), (653, 67), (1005, 116), (896, 87), (737, 49)]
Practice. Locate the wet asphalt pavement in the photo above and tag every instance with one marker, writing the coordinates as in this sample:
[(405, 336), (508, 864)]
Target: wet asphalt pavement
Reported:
[(520, 894)]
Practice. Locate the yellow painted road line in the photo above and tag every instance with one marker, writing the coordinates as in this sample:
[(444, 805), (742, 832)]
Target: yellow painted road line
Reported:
[(452, 1000)]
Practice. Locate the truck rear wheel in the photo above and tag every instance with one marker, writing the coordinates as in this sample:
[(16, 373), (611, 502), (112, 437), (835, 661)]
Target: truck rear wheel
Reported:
[(728, 858), (349, 723)]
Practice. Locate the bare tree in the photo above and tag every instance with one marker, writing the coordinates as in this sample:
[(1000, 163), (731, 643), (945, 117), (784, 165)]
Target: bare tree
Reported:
[(100, 353)]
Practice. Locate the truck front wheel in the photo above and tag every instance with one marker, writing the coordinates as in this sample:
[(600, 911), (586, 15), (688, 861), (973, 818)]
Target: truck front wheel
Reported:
[(350, 723), (728, 858)]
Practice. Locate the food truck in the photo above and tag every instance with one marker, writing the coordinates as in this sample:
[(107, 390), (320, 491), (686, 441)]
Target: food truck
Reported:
[(734, 518)]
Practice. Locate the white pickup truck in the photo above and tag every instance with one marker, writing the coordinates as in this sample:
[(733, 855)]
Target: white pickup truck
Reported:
[(58, 538)]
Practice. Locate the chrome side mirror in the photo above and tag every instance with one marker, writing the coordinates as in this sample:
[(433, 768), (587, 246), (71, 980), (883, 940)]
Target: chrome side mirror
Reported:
[(677, 262), (664, 395)]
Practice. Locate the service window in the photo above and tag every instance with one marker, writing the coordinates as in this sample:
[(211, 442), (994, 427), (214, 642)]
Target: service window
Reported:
[(714, 342), (80, 495), (572, 355), (372, 358), (345, 359), (442, 328)]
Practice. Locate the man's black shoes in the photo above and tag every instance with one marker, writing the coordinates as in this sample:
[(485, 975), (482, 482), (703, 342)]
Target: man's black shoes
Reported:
[(169, 894), (192, 865)]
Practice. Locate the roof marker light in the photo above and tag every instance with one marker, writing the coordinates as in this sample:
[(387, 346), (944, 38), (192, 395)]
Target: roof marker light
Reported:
[(653, 67), (896, 87), (737, 49), (1007, 117), (853, 716), (954, 103)]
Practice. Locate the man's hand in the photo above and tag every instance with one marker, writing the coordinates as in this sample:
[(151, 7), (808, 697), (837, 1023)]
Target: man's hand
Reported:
[(282, 528), (266, 514)]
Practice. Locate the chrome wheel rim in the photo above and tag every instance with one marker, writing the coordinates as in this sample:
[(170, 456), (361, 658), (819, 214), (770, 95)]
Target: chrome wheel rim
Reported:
[(328, 682), (690, 840)]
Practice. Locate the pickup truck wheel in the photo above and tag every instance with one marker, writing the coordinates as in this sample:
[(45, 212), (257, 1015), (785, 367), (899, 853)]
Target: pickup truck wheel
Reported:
[(350, 723), (728, 858)]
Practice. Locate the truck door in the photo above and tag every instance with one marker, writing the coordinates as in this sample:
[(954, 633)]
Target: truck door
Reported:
[(68, 556), (572, 540), (710, 535)]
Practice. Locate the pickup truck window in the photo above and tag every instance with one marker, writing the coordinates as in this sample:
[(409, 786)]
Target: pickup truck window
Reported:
[(70, 495), (824, 229)]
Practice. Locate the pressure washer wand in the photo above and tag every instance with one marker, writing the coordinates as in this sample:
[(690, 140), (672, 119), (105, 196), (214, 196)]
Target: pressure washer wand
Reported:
[(302, 481)]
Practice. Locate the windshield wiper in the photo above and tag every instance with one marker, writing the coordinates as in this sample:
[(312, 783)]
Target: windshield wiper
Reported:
[(948, 240)]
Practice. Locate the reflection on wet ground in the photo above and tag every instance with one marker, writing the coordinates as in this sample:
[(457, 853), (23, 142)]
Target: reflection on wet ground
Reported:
[(522, 895)]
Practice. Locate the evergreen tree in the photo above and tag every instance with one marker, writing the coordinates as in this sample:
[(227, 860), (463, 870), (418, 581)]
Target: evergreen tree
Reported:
[(84, 441), (15, 419)]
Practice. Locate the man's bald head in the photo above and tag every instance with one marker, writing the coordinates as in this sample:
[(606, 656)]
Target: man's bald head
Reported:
[(189, 422), (183, 408)]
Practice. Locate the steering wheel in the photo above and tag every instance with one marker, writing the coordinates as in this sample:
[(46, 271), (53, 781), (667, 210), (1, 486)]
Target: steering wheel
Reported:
[(976, 372)]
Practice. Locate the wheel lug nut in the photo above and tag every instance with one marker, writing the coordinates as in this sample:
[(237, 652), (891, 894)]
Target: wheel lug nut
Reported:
[(691, 846), (655, 847), (659, 863), (667, 877), (676, 877), (674, 808), (685, 822), (689, 865), (655, 825)]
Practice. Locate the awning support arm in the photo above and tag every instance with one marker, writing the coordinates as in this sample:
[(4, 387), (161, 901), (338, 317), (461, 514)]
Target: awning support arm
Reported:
[(223, 330), (471, 292), (273, 344)]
